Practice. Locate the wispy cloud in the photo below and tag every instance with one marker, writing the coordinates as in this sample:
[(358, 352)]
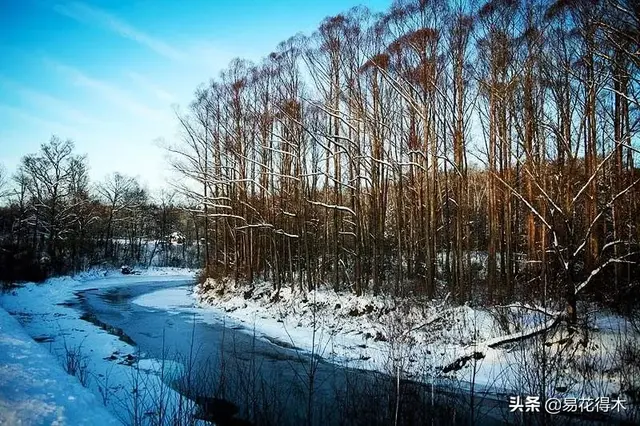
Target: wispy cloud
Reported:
[(108, 91), (210, 55), (92, 15), (198, 52), (44, 101), (146, 84), (54, 126)]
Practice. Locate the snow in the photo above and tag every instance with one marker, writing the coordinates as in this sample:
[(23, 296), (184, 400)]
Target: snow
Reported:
[(417, 339), (176, 299), (112, 368), (363, 332), (34, 389)]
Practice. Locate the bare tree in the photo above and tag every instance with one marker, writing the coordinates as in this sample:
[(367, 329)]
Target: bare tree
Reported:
[(115, 192), (406, 152), (3, 181), (51, 176)]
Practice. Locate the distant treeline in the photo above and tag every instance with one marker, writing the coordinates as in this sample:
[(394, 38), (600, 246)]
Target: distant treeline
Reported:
[(483, 150), (54, 221)]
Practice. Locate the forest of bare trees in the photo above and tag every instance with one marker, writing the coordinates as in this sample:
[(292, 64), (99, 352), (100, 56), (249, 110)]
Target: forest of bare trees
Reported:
[(486, 151), (54, 221), (459, 178), (482, 150)]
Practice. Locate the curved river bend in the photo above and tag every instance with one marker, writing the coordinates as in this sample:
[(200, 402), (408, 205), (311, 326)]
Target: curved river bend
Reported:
[(271, 382)]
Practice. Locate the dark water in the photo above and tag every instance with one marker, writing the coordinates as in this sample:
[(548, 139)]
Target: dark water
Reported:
[(273, 383)]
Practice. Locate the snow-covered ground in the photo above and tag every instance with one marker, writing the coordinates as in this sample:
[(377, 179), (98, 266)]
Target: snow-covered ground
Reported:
[(110, 368), (35, 390), (433, 341), (374, 333)]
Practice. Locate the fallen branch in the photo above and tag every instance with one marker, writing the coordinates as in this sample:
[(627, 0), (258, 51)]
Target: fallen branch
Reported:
[(462, 361), (530, 308), (479, 350), (524, 334)]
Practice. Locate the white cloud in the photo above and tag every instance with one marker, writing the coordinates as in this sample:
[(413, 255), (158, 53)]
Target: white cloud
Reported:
[(131, 107), (201, 53), (146, 84), (51, 104), (82, 12), (108, 91), (54, 127)]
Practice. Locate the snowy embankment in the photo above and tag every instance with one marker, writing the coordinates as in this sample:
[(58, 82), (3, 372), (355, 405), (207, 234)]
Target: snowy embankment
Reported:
[(375, 333), (34, 388), (366, 332), (425, 340), (113, 371), (491, 351)]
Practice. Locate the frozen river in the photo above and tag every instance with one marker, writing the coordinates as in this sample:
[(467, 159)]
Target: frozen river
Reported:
[(269, 381), (209, 357)]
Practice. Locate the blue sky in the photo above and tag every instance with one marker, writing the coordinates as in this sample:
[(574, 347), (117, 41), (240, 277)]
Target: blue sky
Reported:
[(105, 73)]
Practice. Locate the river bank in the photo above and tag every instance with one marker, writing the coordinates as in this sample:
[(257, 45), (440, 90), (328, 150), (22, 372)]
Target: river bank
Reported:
[(34, 388), (101, 362), (131, 357), (118, 333), (435, 341)]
